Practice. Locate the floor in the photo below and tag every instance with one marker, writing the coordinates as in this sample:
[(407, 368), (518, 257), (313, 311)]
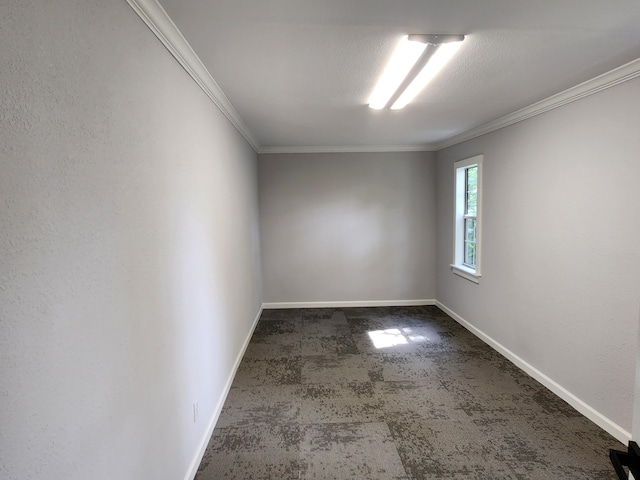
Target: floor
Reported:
[(392, 393)]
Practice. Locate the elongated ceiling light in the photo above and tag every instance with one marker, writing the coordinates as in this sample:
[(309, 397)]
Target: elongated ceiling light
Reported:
[(416, 60)]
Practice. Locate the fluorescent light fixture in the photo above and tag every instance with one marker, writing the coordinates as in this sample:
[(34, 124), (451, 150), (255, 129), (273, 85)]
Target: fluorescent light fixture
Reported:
[(416, 60), (405, 56), (437, 61)]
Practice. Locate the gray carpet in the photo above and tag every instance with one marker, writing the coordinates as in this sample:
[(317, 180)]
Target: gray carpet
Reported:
[(392, 393)]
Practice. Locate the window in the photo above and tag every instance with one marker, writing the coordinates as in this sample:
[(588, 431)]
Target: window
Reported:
[(468, 201)]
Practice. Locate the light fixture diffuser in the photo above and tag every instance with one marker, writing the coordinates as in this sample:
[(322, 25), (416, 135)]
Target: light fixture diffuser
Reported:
[(405, 56), (416, 60), (438, 60)]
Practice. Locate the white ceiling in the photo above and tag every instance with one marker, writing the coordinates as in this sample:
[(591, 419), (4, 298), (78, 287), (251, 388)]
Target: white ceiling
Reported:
[(299, 72)]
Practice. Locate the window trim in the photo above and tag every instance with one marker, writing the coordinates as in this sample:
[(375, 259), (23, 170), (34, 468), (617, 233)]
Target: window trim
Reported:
[(459, 200)]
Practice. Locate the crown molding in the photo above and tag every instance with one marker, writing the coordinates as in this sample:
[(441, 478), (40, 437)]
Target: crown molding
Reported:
[(156, 18), (349, 149), (610, 79)]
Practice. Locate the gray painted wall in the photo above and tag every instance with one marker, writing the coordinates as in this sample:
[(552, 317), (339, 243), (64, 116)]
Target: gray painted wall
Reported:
[(129, 250), (347, 227), (560, 258)]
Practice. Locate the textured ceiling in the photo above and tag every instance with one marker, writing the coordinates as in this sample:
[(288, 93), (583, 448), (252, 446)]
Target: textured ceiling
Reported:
[(299, 72)]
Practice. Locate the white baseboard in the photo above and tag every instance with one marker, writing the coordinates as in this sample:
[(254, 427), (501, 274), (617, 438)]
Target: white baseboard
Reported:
[(592, 414), (195, 463), (346, 304)]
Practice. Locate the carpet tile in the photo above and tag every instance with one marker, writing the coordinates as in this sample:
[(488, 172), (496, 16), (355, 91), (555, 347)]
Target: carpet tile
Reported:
[(392, 393)]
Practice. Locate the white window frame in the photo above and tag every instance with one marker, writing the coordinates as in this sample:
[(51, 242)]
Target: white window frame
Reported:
[(458, 267)]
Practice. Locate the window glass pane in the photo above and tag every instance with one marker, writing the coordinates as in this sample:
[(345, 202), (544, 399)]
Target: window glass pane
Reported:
[(470, 254), (472, 178), (471, 190), (472, 204), (470, 230), (470, 242)]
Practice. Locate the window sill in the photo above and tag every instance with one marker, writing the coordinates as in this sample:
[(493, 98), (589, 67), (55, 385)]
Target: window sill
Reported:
[(467, 273)]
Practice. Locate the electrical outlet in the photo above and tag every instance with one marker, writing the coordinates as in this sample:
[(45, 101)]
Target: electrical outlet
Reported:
[(195, 411)]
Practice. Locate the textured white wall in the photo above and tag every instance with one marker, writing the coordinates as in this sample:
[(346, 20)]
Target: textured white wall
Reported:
[(129, 250), (560, 258), (348, 226)]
